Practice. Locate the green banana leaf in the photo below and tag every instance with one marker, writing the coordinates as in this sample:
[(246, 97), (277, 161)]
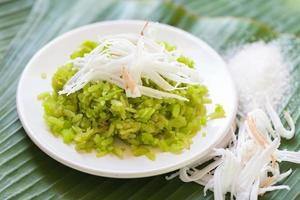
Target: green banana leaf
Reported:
[(282, 15), (12, 17), (27, 173)]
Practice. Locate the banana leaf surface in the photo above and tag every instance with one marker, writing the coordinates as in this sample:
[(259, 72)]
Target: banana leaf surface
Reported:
[(26, 25)]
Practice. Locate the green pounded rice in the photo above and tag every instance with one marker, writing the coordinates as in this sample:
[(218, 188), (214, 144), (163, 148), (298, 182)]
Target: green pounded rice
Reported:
[(43, 75), (99, 117)]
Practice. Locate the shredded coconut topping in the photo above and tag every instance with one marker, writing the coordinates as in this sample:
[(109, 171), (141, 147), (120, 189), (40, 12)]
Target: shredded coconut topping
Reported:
[(124, 59)]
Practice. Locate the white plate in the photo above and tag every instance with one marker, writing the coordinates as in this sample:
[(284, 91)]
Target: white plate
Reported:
[(212, 70)]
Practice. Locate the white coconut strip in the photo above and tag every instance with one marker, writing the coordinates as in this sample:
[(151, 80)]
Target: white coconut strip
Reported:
[(155, 47), (175, 68), (288, 134), (254, 190), (159, 94), (120, 48), (225, 173), (94, 76), (246, 147), (76, 85), (233, 142), (178, 79), (272, 188), (78, 62), (137, 65), (248, 150), (150, 44), (255, 133), (290, 156), (263, 123), (157, 79), (244, 195), (211, 156), (187, 175), (267, 180), (217, 178), (108, 77), (114, 66), (232, 168), (133, 38), (127, 36), (78, 76), (173, 175), (241, 140), (117, 53), (97, 51), (121, 43), (255, 164), (283, 176), (209, 185), (130, 85), (205, 180)]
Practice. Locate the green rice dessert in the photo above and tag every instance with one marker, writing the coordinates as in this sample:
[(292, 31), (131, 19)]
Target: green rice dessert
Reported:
[(103, 113)]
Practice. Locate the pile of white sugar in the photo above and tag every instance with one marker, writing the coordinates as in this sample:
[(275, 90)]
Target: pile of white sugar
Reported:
[(260, 72)]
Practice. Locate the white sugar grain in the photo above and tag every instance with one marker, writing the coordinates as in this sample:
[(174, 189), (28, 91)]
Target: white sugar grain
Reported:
[(260, 72)]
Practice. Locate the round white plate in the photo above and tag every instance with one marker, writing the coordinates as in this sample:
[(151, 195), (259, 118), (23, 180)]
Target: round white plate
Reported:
[(210, 65)]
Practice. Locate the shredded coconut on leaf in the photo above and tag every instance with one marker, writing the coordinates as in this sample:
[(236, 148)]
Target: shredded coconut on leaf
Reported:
[(249, 166), (244, 168)]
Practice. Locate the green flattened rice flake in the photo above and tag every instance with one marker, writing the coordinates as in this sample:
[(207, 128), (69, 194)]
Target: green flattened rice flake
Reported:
[(100, 115), (147, 138), (85, 48), (101, 154), (218, 113), (43, 75), (143, 151), (68, 135), (150, 155), (56, 124), (89, 44), (118, 151), (144, 114), (43, 95), (178, 122), (185, 60), (168, 46), (62, 75)]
